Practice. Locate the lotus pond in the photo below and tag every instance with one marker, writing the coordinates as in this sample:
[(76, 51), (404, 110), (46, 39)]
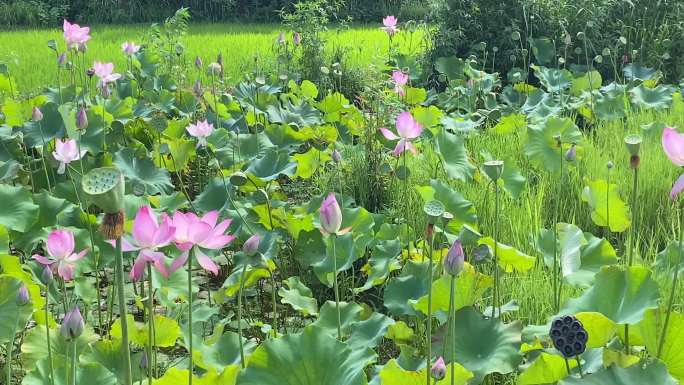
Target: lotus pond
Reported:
[(166, 221)]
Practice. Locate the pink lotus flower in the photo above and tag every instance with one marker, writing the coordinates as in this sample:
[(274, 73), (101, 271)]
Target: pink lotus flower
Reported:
[(673, 144), (60, 246), (66, 151), (199, 233), (400, 79), (129, 48), (390, 25), (149, 235), (75, 35), (104, 71), (201, 130), (407, 128)]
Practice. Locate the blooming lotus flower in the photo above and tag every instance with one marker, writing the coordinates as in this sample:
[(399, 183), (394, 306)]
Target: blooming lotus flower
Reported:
[(197, 233), (455, 259), (673, 144), (408, 129), (438, 370), (66, 151), (400, 79), (75, 35), (390, 25), (129, 48), (104, 72), (60, 246), (201, 130), (72, 324), (148, 235), (330, 215)]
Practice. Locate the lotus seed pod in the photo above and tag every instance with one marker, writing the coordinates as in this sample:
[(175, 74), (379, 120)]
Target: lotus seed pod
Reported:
[(238, 179), (569, 336), (23, 297), (633, 143), (105, 187), (493, 169)]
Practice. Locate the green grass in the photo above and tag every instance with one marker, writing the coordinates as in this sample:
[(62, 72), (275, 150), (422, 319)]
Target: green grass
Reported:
[(31, 62)]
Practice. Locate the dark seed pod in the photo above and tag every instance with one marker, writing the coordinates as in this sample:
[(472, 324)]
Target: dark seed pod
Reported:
[(568, 336)]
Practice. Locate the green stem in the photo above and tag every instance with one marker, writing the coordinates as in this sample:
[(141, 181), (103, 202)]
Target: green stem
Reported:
[(336, 288), (579, 366), (452, 327), (74, 363), (567, 366), (275, 308), (191, 367), (150, 326), (497, 300), (239, 320), (673, 290), (428, 339), (631, 244), (47, 176), (10, 348), (123, 314), (47, 336)]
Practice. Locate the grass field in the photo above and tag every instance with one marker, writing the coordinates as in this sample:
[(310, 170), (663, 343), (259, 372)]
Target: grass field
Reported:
[(26, 51)]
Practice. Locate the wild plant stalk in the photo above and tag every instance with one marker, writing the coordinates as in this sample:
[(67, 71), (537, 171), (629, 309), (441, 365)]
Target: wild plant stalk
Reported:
[(123, 314), (336, 288), (428, 339), (45, 168), (275, 307), (673, 290), (239, 315), (191, 364)]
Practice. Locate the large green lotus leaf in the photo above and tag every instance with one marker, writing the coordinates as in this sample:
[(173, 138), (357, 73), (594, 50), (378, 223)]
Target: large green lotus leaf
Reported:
[(86, 373), (364, 327), (587, 82), (310, 162), (670, 258), (541, 147), (301, 115), (11, 266), (658, 98), (650, 372), (544, 50), (510, 259), (594, 254), (175, 376), (52, 126), (462, 209), (108, 354), (568, 247), (347, 250), (214, 196), (649, 331), (393, 374), (13, 317), (599, 328), (222, 353), (539, 105), (619, 358), (621, 294), (18, 211), (415, 95), (272, 164), (554, 80), (453, 67), (299, 296), (512, 123), (176, 153), (470, 286), (452, 149), (606, 205), (483, 345), (635, 71), (610, 107), (546, 369), (382, 262), (253, 275), (428, 117), (143, 172), (231, 148), (312, 357), (411, 284), (34, 348), (167, 331)]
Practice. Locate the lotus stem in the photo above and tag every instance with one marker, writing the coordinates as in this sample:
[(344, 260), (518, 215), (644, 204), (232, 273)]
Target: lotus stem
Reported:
[(74, 363), (631, 244), (42, 137), (190, 347), (275, 306), (47, 336), (123, 314), (670, 302), (428, 339), (150, 327), (579, 366), (336, 288), (10, 348), (567, 366), (497, 300), (452, 327), (556, 289), (239, 315)]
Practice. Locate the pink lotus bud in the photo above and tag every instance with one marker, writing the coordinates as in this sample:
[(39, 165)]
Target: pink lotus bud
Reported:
[(23, 297), (336, 156), (143, 360), (197, 87), (438, 370), (198, 62), (36, 115), (72, 325), (46, 277), (281, 38), (214, 68), (297, 38), (330, 215), (455, 259), (62, 59), (82, 119), (251, 246)]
